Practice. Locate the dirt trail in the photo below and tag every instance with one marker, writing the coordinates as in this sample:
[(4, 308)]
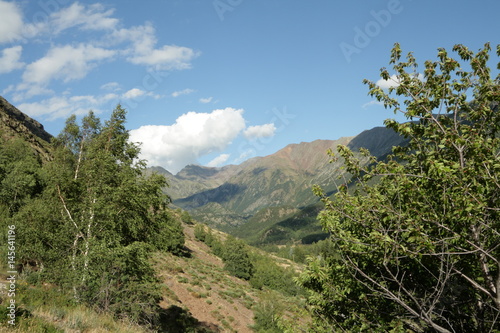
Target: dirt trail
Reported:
[(212, 307)]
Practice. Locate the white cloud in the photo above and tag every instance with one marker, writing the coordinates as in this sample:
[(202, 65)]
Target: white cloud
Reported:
[(206, 100), (260, 131), (133, 93), (93, 17), (219, 160), (368, 104), (9, 59), (136, 93), (142, 38), (168, 57), (109, 97), (136, 45), (111, 86), (246, 154), (64, 106), (394, 81), (24, 91), (144, 51), (87, 17), (56, 107), (65, 63), (182, 92), (11, 23), (193, 135)]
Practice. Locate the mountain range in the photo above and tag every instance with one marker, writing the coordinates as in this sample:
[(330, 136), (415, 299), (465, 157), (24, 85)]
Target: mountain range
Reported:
[(269, 199), (264, 200)]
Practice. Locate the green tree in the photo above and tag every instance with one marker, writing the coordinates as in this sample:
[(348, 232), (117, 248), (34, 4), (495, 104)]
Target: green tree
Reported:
[(20, 178), (416, 234), (199, 232), (97, 218), (21, 181), (267, 273), (96, 181), (236, 258)]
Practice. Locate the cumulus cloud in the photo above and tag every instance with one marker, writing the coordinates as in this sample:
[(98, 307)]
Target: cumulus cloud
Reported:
[(86, 17), (260, 131), (133, 93), (191, 136), (11, 24), (111, 86), (168, 57), (9, 59), (137, 45), (206, 100), (65, 63), (144, 51), (136, 93), (182, 92), (219, 160), (394, 81)]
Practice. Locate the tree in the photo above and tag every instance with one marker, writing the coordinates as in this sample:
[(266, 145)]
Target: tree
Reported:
[(20, 178), (417, 234), (96, 181), (98, 218), (236, 259)]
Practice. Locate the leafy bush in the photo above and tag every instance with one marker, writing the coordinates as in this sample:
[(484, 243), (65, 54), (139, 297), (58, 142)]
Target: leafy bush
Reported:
[(122, 281), (269, 274), (200, 232), (236, 258)]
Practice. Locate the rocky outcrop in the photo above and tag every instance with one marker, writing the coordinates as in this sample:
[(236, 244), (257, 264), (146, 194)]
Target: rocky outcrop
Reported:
[(15, 124)]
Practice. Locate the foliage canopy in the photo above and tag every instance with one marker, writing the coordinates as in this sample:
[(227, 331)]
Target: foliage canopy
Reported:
[(417, 234), (89, 218)]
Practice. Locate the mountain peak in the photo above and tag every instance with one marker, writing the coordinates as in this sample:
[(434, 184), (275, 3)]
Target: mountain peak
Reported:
[(194, 171)]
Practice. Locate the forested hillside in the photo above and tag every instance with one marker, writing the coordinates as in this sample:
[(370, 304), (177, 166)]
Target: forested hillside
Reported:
[(86, 219), (263, 192), (93, 245), (405, 240)]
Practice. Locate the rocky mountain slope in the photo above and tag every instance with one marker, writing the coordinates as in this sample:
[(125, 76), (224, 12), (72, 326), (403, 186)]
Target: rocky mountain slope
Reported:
[(267, 190), (244, 199), (15, 124)]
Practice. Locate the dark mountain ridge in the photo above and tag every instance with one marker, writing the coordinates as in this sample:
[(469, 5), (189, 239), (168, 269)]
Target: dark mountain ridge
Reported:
[(268, 195), (271, 196), (15, 124)]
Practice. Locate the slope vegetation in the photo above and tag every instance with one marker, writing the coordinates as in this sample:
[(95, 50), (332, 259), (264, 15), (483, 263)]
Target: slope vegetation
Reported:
[(269, 199)]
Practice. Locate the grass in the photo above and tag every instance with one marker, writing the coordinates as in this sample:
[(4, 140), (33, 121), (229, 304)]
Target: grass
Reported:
[(226, 297), (47, 318), (45, 308)]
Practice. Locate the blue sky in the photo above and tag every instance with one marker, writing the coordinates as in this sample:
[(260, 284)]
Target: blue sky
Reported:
[(215, 82)]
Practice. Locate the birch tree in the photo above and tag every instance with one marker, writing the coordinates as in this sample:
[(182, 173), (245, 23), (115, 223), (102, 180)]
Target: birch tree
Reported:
[(103, 200)]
